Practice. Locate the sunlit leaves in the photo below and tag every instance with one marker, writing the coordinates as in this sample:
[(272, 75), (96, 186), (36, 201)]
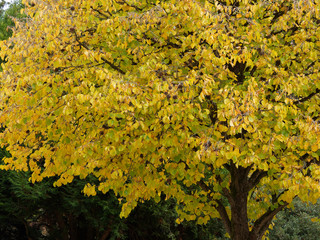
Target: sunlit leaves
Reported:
[(159, 97)]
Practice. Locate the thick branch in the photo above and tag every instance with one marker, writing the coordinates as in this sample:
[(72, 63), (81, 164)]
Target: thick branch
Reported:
[(103, 59), (225, 191), (101, 13), (248, 170), (227, 166), (220, 208), (113, 66), (262, 224), (224, 216), (255, 178), (130, 5), (279, 14), (275, 197), (301, 100), (204, 186)]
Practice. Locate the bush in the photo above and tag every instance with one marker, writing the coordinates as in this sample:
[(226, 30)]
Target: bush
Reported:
[(298, 223)]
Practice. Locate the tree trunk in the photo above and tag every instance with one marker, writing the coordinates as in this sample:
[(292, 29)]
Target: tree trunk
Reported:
[(105, 234), (62, 225), (90, 233), (239, 218), (238, 202), (237, 225), (26, 225), (73, 227)]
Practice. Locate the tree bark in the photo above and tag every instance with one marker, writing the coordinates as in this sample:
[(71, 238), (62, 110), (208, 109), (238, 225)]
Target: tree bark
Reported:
[(62, 225), (239, 218), (105, 234), (73, 228), (26, 225), (239, 196), (237, 225)]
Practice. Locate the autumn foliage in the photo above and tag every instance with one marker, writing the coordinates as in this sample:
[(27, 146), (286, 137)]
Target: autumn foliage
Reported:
[(213, 103)]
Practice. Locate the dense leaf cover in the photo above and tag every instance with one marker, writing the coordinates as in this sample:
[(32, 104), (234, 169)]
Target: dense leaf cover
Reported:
[(297, 223), (207, 102)]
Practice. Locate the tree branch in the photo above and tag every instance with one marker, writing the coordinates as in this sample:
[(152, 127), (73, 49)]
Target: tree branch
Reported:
[(261, 225), (225, 191), (224, 216), (113, 66), (220, 208), (255, 178), (101, 13), (130, 5), (301, 100), (204, 186)]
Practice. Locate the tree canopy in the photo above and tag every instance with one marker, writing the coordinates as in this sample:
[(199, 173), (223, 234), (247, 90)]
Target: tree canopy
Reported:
[(213, 103), (7, 16)]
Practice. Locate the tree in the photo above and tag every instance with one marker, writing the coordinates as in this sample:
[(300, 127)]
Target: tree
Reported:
[(35, 214), (2, 4), (6, 20), (213, 103), (7, 17)]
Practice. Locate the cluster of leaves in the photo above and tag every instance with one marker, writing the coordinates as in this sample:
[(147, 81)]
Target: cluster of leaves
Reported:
[(213, 103)]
